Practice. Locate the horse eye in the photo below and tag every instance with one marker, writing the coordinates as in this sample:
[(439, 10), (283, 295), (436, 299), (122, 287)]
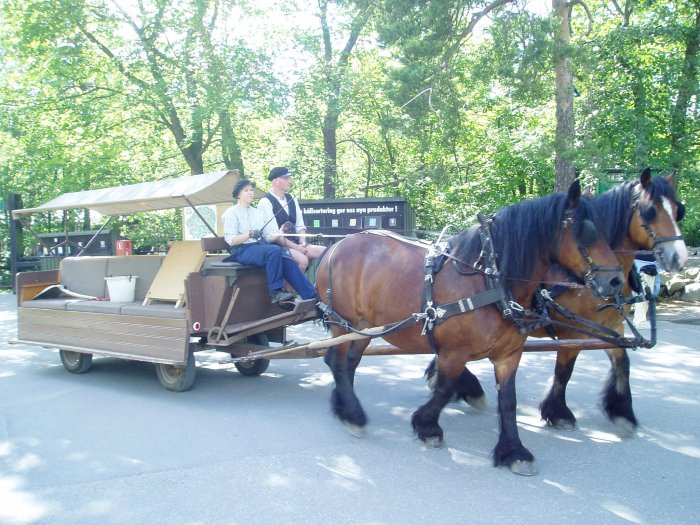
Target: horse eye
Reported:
[(680, 211), (588, 234), (648, 214)]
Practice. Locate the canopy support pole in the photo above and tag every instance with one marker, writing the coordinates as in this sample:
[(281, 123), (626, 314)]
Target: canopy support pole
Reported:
[(95, 236)]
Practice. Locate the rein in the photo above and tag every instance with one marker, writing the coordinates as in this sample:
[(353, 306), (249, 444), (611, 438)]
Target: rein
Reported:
[(599, 331)]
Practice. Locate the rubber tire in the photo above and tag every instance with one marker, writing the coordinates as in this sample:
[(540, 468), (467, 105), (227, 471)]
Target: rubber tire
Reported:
[(257, 367), (178, 378), (76, 362)]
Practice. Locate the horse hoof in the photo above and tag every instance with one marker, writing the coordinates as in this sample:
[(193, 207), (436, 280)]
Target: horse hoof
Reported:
[(625, 427), (564, 424), (355, 430), (479, 403), (523, 468), (434, 442)]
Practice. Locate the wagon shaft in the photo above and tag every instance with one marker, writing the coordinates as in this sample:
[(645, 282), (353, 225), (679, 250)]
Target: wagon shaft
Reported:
[(378, 347)]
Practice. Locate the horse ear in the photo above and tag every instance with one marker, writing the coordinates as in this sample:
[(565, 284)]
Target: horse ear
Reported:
[(574, 193), (645, 177), (671, 178)]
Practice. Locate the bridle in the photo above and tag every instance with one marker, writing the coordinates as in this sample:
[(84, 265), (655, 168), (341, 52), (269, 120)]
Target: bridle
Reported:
[(649, 215), (590, 274)]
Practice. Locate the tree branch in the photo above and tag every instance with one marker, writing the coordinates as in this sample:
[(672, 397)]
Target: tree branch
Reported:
[(467, 31), (585, 8)]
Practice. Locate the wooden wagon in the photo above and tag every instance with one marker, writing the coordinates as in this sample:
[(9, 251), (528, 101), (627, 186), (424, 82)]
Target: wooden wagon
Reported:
[(185, 301)]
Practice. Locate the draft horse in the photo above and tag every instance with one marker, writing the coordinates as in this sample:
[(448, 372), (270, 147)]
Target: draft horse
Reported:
[(641, 215), (369, 280)]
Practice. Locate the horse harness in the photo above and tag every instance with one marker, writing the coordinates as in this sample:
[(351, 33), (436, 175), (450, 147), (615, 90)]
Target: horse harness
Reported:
[(544, 300), (434, 314)]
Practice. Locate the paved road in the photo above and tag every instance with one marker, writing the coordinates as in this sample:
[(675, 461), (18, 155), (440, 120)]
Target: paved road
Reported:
[(113, 447)]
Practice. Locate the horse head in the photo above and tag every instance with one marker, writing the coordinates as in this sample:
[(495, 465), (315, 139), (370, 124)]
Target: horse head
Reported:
[(654, 223), (583, 249)]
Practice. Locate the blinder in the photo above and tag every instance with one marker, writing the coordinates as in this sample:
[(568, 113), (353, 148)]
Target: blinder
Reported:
[(648, 215), (680, 211), (588, 234)]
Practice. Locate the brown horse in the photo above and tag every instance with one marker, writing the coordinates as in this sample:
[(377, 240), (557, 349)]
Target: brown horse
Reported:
[(642, 215), (372, 280)]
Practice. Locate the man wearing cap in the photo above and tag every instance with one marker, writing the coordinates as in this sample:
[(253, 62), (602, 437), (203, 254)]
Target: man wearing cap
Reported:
[(286, 211), (252, 240)]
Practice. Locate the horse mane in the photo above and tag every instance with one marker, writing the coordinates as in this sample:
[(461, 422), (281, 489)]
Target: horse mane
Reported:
[(521, 231), (615, 205)]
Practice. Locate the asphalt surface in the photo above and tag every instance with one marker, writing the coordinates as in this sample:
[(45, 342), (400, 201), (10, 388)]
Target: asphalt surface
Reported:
[(113, 447)]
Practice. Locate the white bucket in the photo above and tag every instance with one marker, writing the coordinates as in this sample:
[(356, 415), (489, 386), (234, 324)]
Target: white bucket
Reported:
[(121, 288)]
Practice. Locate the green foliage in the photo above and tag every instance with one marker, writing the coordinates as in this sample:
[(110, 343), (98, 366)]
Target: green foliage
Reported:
[(457, 123), (152, 229)]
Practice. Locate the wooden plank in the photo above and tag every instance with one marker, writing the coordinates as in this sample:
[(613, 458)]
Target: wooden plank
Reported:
[(184, 257), (143, 338)]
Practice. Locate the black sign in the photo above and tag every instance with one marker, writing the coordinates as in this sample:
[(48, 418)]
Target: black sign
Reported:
[(345, 216)]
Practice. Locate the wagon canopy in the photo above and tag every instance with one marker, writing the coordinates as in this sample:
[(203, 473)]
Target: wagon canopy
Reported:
[(196, 190)]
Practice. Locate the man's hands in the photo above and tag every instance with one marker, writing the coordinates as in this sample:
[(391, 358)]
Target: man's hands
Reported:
[(255, 235)]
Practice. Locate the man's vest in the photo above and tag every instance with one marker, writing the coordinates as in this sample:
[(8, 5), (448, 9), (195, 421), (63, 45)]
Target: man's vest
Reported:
[(282, 216)]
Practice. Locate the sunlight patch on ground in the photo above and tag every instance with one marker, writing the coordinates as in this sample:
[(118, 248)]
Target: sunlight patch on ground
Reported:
[(693, 452), (277, 480), (447, 411), (320, 379), (673, 355), (564, 488), (682, 400), (559, 434), (401, 412), (532, 423), (5, 448), (25, 463), (346, 473), (17, 355), (672, 442), (660, 373), (598, 436), (8, 316), (464, 458), (369, 370), (17, 506), (622, 511)]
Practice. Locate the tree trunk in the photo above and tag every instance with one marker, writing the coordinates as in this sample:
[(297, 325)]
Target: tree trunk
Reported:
[(194, 158), (687, 88), (230, 149), (330, 147), (334, 73), (564, 169)]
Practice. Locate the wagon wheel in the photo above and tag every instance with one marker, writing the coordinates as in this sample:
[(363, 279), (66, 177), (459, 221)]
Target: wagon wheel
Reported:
[(258, 366), (76, 362), (178, 378)]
